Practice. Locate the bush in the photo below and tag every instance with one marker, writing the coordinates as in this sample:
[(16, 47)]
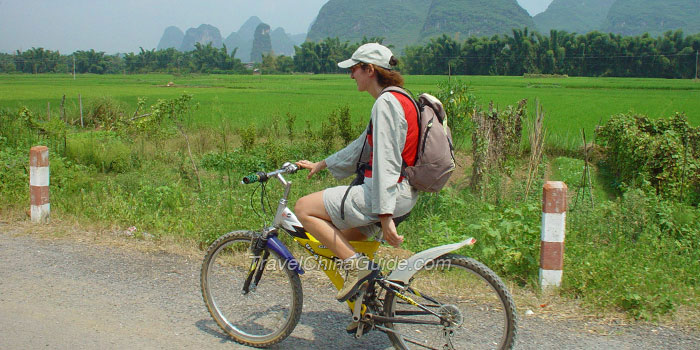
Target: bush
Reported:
[(507, 234), (105, 113), (248, 136), (14, 175), (664, 153), (459, 104), (103, 151), (638, 253)]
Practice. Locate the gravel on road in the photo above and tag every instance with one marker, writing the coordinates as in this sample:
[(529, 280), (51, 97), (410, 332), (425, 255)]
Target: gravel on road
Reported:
[(67, 293)]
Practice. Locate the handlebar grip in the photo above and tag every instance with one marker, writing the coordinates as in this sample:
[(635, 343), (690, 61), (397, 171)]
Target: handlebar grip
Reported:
[(252, 178)]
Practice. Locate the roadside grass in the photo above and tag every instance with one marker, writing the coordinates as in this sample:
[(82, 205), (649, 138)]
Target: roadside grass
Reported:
[(628, 253)]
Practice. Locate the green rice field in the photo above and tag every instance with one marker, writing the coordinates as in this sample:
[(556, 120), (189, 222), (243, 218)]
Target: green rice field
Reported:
[(570, 103)]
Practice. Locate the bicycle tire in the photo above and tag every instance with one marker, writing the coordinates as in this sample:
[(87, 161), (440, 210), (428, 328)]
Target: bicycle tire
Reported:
[(224, 269), (486, 308)]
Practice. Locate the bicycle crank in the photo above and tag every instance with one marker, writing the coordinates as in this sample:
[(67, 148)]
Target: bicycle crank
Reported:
[(408, 338)]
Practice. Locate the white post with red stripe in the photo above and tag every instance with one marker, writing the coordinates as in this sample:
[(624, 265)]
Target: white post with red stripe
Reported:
[(553, 231), (39, 183)]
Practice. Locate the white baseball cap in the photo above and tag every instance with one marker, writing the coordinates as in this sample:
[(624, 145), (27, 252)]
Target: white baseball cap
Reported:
[(373, 53)]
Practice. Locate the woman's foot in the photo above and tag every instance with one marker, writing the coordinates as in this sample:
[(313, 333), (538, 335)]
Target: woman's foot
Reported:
[(357, 271)]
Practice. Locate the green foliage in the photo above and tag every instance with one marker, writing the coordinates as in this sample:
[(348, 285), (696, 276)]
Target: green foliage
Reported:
[(507, 233), (105, 113), (518, 51), (634, 254), (164, 113), (495, 142), (345, 129), (289, 123), (248, 136), (459, 104), (562, 53), (14, 175), (328, 132), (18, 129), (337, 124), (662, 153), (103, 151)]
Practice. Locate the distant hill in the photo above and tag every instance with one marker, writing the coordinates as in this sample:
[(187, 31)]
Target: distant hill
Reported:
[(399, 21), (262, 45), (282, 42), (407, 22), (243, 39), (466, 18), (172, 37), (579, 16), (203, 34), (635, 17)]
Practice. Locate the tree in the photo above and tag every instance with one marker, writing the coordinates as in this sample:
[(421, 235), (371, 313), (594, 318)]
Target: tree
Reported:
[(90, 62)]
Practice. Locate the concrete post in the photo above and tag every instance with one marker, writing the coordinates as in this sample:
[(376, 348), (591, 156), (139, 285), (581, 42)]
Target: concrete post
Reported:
[(39, 183), (553, 231)]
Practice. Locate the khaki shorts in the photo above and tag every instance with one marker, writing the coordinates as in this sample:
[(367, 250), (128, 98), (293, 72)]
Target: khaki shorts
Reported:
[(358, 206)]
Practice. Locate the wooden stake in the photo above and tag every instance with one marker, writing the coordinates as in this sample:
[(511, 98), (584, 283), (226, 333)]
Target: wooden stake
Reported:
[(48, 110), (63, 108), (697, 52), (80, 101)]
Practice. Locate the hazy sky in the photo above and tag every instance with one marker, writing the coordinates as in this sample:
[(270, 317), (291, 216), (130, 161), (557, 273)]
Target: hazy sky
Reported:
[(125, 25)]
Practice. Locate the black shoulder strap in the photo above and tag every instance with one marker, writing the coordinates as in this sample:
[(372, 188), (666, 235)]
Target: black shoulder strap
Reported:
[(359, 170)]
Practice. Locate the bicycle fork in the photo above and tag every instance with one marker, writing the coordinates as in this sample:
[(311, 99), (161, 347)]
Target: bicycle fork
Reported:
[(262, 245)]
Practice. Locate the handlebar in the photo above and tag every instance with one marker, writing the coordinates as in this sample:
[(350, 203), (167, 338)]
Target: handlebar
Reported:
[(287, 168)]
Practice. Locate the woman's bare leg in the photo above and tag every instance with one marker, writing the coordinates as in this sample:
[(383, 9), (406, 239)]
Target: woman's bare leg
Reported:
[(312, 214)]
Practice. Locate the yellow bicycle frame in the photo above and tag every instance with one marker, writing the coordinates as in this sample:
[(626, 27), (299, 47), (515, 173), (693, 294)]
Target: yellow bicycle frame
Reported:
[(326, 258)]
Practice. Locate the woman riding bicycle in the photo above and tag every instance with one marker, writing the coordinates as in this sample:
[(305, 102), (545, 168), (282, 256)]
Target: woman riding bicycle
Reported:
[(341, 214)]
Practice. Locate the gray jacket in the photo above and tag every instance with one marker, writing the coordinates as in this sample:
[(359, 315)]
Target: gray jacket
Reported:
[(388, 137)]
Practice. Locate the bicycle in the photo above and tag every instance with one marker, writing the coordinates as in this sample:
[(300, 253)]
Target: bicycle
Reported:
[(435, 299)]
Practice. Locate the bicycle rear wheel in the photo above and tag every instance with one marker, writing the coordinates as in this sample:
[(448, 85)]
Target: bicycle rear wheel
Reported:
[(266, 314), (480, 308)]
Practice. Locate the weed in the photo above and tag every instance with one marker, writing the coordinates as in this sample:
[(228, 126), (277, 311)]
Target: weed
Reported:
[(289, 123), (248, 136)]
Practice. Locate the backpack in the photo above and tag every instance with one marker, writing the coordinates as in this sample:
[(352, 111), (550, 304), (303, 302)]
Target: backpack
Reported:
[(435, 159)]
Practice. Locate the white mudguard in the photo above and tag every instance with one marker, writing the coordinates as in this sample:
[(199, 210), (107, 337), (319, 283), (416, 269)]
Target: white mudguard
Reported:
[(404, 271)]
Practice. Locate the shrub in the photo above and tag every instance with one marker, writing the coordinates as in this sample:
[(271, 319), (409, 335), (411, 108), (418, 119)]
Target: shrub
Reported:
[(105, 113), (248, 135), (289, 122), (103, 151), (14, 175), (664, 153), (459, 104)]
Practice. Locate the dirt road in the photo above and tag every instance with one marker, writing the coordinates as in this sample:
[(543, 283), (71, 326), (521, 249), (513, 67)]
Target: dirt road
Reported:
[(64, 293)]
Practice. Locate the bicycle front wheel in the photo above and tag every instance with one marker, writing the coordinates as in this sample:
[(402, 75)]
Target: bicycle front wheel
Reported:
[(479, 308), (266, 314)]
